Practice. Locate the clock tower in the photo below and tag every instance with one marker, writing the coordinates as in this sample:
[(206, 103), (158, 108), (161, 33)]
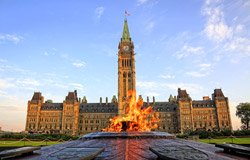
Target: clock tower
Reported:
[(126, 69)]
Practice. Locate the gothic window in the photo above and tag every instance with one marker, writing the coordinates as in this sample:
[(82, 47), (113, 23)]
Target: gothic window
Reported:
[(129, 74), (124, 89)]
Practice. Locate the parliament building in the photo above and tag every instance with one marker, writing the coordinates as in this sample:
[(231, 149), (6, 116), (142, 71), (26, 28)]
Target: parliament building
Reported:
[(75, 116)]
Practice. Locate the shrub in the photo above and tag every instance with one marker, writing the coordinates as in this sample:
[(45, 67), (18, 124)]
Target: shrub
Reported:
[(182, 136), (226, 132), (241, 133), (38, 136)]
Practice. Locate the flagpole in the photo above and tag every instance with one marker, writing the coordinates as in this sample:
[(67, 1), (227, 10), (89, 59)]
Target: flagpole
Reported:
[(126, 14)]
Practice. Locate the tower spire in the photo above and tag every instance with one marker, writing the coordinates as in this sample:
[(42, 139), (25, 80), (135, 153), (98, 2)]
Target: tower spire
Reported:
[(125, 34)]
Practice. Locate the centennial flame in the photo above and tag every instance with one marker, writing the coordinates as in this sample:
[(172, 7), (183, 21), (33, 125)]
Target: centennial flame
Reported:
[(136, 118)]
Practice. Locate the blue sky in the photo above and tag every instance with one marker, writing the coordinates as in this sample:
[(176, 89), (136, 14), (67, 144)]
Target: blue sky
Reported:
[(58, 46)]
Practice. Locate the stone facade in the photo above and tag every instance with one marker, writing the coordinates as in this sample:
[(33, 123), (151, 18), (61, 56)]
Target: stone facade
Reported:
[(126, 69), (177, 115)]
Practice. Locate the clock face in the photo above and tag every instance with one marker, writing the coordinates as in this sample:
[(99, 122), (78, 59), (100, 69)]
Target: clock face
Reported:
[(126, 48)]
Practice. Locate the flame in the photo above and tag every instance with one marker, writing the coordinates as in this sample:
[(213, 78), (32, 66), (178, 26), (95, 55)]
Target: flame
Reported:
[(136, 117)]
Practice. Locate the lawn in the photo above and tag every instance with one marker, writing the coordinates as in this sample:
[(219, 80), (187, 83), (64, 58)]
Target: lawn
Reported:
[(17, 143), (226, 140)]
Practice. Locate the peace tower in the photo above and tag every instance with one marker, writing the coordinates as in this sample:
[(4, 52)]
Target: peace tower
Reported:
[(126, 69)]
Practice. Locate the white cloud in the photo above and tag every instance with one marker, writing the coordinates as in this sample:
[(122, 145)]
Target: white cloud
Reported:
[(77, 86), (28, 83), (205, 66), (239, 28), (5, 84), (64, 56), (239, 45), (11, 108), (50, 52), (203, 69), (232, 36), (191, 88), (246, 4), (10, 38), (3, 60), (75, 62), (188, 50), (146, 85), (167, 76), (99, 11), (151, 86), (79, 64), (149, 26), (46, 53), (218, 31), (141, 2), (216, 28), (196, 74)]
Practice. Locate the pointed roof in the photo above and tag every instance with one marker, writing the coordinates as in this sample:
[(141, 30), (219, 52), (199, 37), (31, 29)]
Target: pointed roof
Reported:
[(125, 33)]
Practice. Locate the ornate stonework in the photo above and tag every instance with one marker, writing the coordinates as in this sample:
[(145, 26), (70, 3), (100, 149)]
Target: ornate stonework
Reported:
[(126, 69), (75, 116)]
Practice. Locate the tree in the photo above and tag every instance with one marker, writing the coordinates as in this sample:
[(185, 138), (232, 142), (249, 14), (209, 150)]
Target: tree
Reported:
[(243, 112)]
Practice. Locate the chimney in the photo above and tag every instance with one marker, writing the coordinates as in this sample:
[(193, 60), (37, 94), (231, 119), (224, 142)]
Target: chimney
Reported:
[(75, 94), (106, 100), (147, 100), (100, 100), (153, 99), (206, 98)]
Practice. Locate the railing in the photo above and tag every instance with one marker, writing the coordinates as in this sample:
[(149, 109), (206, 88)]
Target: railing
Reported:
[(27, 141)]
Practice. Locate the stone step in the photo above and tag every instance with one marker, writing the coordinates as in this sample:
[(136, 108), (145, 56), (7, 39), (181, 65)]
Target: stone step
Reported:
[(17, 152), (75, 153), (178, 152), (233, 148)]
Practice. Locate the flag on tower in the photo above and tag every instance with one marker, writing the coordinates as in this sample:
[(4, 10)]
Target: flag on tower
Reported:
[(126, 13)]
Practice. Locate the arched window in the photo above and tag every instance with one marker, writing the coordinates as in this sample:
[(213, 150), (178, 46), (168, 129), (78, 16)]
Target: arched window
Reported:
[(129, 74)]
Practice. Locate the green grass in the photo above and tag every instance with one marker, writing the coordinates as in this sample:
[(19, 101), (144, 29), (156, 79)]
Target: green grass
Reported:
[(16, 143), (226, 140)]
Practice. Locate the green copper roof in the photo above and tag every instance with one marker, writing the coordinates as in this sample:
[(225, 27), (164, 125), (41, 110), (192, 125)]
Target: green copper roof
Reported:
[(125, 34)]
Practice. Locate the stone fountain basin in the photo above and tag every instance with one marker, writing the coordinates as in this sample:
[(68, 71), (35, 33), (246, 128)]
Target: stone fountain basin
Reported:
[(127, 135), (129, 146)]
